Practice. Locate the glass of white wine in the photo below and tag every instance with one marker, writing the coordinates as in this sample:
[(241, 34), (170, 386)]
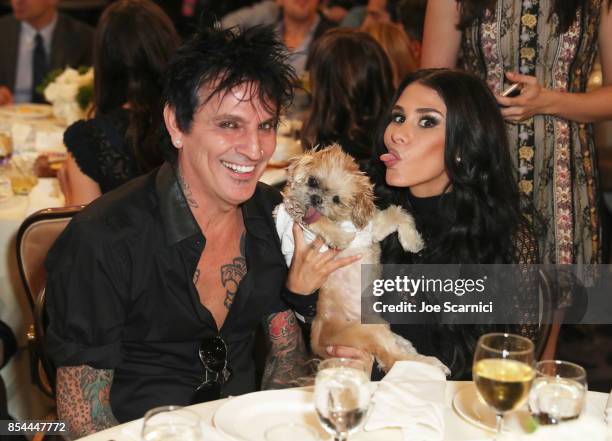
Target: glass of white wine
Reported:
[(171, 423), (503, 372), (342, 396), (558, 392)]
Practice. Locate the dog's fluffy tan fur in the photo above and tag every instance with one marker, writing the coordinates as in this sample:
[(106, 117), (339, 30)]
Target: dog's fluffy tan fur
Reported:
[(330, 181)]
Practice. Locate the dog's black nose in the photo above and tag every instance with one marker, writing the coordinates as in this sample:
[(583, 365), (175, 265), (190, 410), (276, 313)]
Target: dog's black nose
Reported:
[(315, 199)]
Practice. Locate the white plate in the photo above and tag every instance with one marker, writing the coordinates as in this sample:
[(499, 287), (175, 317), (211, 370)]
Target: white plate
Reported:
[(247, 417), (469, 406), (27, 111)]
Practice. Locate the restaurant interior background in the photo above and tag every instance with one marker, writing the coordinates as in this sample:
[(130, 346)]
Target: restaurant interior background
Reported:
[(89, 11)]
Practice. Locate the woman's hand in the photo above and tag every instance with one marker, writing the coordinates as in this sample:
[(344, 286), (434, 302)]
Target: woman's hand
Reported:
[(309, 268), (533, 100)]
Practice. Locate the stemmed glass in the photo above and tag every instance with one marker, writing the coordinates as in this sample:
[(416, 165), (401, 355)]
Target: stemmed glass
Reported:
[(171, 423), (503, 372), (6, 147), (342, 396)]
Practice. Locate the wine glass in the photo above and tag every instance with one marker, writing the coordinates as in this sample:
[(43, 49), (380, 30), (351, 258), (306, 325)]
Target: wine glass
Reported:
[(6, 147), (342, 396), (171, 423), (503, 372), (558, 392)]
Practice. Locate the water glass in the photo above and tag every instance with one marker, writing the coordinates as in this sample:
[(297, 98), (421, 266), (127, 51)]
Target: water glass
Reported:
[(558, 392), (22, 174), (171, 423), (342, 396)]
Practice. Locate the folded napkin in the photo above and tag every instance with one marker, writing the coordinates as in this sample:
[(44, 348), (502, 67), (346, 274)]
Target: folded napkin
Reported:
[(609, 415), (49, 141), (410, 397)]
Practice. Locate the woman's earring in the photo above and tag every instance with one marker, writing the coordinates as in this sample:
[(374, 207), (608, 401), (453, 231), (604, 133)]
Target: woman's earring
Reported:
[(457, 160), (178, 142)]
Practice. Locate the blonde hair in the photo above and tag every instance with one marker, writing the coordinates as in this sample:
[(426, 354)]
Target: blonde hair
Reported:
[(395, 42)]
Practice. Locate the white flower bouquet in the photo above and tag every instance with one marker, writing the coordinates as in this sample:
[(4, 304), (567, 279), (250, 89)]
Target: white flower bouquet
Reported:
[(70, 92)]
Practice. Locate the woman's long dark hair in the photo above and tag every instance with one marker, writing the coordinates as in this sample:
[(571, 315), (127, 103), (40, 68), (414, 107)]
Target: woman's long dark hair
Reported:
[(484, 204), (565, 10), (482, 207), (133, 45), (352, 82)]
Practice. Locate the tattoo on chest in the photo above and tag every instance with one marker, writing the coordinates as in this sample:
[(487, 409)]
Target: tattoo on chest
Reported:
[(232, 274), (187, 191)]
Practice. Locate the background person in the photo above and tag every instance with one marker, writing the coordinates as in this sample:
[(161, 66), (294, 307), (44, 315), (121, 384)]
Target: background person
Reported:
[(134, 42), (548, 47), (36, 39), (395, 42), (351, 84)]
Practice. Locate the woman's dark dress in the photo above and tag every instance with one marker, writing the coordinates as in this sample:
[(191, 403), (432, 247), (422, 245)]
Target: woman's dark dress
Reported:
[(101, 150)]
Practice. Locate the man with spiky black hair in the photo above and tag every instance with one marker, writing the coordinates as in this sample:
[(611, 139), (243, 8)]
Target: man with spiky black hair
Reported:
[(156, 290)]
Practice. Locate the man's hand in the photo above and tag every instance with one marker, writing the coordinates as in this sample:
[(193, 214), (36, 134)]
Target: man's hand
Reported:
[(287, 360), (348, 352), (6, 97), (83, 399)]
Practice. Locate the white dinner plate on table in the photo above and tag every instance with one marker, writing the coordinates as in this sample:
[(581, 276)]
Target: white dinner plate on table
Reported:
[(27, 111), (467, 404), (247, 417)]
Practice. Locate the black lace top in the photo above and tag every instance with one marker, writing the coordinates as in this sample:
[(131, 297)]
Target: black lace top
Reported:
[(100, 149), (454, 344)]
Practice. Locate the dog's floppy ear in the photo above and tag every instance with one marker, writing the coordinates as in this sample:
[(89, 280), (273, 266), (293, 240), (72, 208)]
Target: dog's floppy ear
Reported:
[(297, 166), (363, 208)]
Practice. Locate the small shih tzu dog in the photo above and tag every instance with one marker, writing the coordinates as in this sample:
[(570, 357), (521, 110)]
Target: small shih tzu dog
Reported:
[(329, 196)]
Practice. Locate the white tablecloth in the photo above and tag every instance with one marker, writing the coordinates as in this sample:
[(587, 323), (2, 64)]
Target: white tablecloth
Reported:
[(457, 429), (25, 401)]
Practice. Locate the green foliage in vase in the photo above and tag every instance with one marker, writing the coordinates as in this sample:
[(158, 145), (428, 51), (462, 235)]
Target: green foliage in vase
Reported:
[(85, 96)]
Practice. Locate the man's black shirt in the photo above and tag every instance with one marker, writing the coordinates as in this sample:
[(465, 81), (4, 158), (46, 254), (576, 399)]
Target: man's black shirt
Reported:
[(120, 293)]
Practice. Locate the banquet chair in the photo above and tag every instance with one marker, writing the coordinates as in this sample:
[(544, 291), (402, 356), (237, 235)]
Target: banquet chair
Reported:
[(548, 330), (35, 237)]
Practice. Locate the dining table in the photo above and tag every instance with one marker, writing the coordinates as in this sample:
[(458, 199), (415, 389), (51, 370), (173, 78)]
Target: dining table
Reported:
[(33, 130), (465, 418)]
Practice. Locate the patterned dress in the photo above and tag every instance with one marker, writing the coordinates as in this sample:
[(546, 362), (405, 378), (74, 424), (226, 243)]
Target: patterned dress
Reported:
[(555, 158)]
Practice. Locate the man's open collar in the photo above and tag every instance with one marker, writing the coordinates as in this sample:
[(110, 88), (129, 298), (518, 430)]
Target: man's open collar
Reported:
[(178, 221)]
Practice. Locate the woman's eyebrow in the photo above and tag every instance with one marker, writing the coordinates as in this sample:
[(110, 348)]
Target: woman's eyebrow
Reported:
[(429, 110)]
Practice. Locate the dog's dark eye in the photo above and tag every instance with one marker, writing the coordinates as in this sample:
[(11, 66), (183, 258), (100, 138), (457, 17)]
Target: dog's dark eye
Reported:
[(336, 199), (312, 182)]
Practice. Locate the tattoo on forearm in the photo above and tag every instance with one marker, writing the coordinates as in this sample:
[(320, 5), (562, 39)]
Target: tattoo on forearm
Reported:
[(83, 399), (186, 191), (232, 274), (287, 360)]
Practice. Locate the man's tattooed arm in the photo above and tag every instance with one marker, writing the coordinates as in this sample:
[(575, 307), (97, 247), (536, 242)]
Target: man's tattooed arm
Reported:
[(287, 360), (83, 399)]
